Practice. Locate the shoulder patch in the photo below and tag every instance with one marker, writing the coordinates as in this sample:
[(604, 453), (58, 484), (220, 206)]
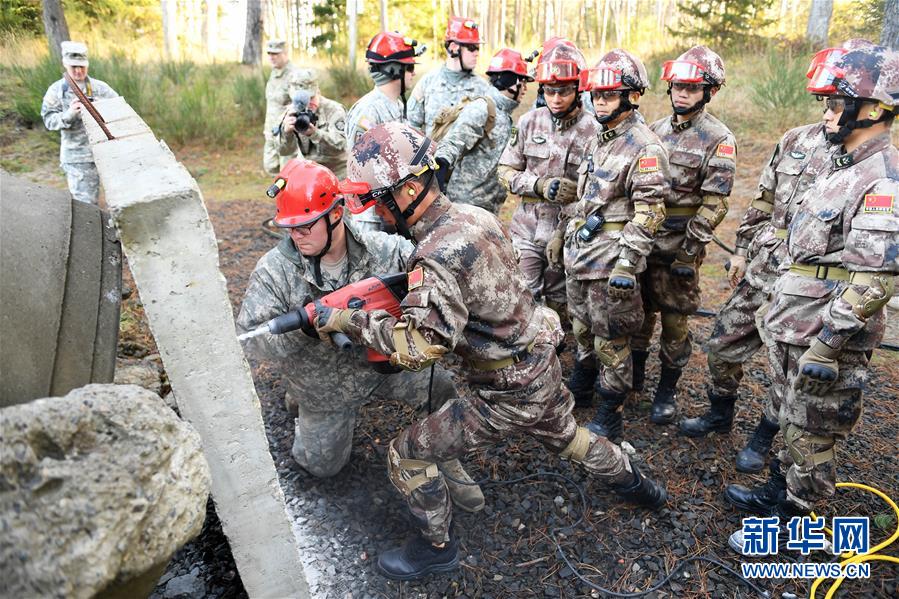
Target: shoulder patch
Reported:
[(726, 151), (648, 165), (538, 139), (416, 278), (878, 203), (513, 137), (340, 125)]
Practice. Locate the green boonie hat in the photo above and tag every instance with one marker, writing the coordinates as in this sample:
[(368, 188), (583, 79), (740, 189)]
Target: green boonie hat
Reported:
[(275, 46)]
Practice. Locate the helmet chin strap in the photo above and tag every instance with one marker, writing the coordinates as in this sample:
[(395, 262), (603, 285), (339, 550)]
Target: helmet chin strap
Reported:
[(401, 216), (623, 106), (849, 122), (457, 55), (559, 116), (706, 97), (317, 259)]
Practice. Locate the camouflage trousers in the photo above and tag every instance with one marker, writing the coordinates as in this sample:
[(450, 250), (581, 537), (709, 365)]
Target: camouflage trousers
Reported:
[(323, 430), (812, 425), (83, 180), (525, 398), (533, 224), (272, 161), (594, 314), (676, 298)]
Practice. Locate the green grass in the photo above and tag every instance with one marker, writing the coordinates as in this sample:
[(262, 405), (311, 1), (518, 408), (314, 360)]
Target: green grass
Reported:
[(344, 84), (32, 83)]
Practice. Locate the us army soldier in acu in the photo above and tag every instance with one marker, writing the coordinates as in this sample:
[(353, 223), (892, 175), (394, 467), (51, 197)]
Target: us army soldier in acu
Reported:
[(702, 152), (62, 111), (466, 296), (827, 313), (277, 100)]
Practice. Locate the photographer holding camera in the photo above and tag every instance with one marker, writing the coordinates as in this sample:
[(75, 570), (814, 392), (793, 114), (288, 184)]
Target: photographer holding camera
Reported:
[(313, 127)]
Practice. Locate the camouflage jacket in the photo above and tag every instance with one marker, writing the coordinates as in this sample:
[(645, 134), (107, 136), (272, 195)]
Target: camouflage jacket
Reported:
[(327, 144), (702, 155), (277, 97), (465, 292), (624, 165), (374, 108), (439, 89), (848, 218), (475, 155), (74, 146), (284, 280), (798, 158)]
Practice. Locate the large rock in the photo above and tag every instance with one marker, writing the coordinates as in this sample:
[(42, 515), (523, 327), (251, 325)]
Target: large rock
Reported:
[(97, 489)]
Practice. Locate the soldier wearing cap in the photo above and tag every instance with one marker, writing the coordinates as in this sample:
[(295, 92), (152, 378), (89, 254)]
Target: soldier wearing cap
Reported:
[(314, 127), (62, 111), (827, 311), (454, 80), (277, 101), (702, 154)]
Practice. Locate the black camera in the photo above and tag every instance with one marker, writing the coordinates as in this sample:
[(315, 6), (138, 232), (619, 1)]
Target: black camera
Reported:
[(305, 119)]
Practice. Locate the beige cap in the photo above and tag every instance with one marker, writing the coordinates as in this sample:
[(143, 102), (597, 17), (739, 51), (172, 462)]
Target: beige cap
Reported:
[(275, 46), (74, 54), (304, 79)]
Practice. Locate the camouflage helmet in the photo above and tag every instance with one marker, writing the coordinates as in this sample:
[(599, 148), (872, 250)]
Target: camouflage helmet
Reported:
[(857, 43), (560, 63), (618, 69), (699, 64), (305, 80), (870, 73)]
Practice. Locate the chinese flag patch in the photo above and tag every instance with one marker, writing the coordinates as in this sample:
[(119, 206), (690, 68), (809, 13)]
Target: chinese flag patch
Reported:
[(416, 278), (648, 165), (878, 203), (726, 151)]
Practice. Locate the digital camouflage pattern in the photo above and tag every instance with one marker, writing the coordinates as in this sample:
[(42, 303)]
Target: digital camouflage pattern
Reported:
[(624, 165), (75, 157), (474, 155), (709, 60), (277, 99), (327, 143), (542, 146), (469, 298), (440, 89)]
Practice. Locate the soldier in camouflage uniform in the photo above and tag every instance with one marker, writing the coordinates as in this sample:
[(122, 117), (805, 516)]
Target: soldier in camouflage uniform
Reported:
[(541, 165), (277, 101), (702, 152), (62, 111), (827, 314), (454, 80), (323, 141), (466, 297), (391, 64), (326, 387), (623, 186), (469, 149)]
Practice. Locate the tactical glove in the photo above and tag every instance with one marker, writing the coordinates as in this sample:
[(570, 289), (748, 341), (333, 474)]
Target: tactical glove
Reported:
[(442, 173), (557, 190), (737, 270), (554, 247), (622, 282), (818, 368), (684, 265), (330, 320)]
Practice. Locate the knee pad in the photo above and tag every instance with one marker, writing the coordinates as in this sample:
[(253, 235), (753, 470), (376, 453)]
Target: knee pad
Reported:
[(579, 446), (674, 327), (611, 352), (408, 475), (807, 450)]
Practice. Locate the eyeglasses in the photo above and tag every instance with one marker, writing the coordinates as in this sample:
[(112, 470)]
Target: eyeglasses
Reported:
[(608, 94), (835, 104), (559, 91), (691, 88), (305, 230), (410, 68)]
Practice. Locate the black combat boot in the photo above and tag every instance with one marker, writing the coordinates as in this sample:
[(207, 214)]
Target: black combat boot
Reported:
[(718, 419), (608, 422), (581, 383), (762, 500), (638, 356), (418, 558), (752, 457), (664, 404), (643, 491)]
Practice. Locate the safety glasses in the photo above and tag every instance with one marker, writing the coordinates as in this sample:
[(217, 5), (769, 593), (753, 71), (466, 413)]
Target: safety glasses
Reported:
[(599, 79), (565, 90), (608, 94), (687, 87), (683, 71), (471, 47), (835, 104), (557, 70)]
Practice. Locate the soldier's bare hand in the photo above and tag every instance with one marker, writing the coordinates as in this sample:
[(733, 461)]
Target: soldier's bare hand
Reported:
[(308, 131), (737, 270), (75, 106), (289, 123)]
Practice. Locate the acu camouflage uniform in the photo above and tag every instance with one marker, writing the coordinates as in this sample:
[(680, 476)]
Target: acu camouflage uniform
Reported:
[(702, 153), (75, 157), (800, 156), (845, 230), (467, 297), (326, 145), (440, 89), (327, 385), (625, 175), (474, 155), (543, 147), (277, 99)]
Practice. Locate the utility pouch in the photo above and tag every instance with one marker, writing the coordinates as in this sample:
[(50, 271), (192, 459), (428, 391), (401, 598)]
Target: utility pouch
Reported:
[(589, 228)]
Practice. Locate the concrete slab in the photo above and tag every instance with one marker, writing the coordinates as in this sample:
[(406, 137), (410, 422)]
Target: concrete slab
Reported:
[(173, 255)]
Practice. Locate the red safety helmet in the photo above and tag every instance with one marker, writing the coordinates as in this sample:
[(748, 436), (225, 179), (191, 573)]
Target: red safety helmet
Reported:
[(462, 30), (306, 192), (508, 60), (390, 46)]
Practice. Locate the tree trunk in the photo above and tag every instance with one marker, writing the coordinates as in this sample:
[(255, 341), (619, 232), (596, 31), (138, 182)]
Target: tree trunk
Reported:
[(383, 15), (605, 27), (889, 35), (819, 22), (252, 45), (352, 31), (55, 26), (169, 35), (519, 22)]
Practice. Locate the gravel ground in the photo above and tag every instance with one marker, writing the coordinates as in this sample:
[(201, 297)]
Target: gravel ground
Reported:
[(506, 549)]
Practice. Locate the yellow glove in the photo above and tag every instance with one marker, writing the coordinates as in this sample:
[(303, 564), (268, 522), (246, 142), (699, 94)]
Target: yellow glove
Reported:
[(554, 248)]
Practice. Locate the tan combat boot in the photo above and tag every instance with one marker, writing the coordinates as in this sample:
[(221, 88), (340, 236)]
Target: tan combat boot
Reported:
[(467, 497)]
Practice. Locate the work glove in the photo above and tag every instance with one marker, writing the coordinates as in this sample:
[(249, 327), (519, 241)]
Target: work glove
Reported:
[(684, 265), (622, 282), (737, 270), (554, 247), (330, 320), (818, 368), (442, 173), (557, 190)]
